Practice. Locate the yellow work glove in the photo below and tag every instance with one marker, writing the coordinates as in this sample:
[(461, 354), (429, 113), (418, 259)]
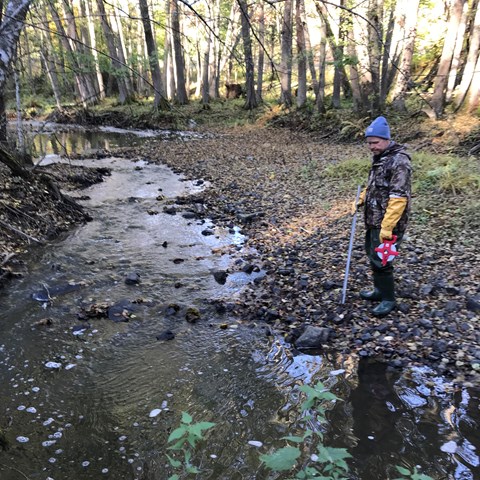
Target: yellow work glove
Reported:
[(395, 209), (361, 201)]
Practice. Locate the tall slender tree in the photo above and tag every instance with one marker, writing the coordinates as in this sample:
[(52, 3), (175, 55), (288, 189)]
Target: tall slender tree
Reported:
[(251, 100), (159, 100), (441, 79)]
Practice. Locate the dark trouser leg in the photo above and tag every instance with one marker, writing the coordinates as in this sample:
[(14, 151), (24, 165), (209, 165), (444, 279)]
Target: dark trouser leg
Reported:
[(382, 275)]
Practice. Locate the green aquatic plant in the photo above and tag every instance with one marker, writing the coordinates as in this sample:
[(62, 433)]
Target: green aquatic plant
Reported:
[(183, 440), (318, 460), (411, 474)]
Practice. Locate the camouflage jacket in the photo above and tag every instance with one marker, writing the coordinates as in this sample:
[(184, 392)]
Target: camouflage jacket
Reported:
[(390, 176)]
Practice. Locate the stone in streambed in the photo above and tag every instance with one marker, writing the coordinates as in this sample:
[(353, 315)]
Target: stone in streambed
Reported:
[(313, 337)]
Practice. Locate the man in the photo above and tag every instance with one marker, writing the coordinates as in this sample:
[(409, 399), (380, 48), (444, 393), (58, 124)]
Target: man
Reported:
[(387, 205)]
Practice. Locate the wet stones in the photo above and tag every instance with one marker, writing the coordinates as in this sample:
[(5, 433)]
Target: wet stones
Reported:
[(192, 315), (220, 276), (313, 337), (166, 335), (132, 278)]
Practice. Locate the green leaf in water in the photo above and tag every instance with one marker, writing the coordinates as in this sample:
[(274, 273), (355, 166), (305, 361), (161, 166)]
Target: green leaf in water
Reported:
[(281, 460)]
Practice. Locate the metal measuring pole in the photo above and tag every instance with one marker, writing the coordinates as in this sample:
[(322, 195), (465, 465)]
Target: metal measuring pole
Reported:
[(350, 246)]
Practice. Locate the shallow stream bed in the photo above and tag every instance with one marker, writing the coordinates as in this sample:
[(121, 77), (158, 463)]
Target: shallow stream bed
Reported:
[(89, 397)]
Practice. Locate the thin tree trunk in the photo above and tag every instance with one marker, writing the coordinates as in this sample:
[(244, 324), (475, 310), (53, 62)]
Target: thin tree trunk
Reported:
[(286, 58), (251, 100), (118, 66), (159, 100), (261, 50), (181, 97), (301, 54), (473, 53), (375, 36), (322, 55), (93, 43), (457, 52), (405, 71), (441, 79)]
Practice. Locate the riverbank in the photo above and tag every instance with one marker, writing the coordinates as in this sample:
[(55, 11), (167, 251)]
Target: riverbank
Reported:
[(290, 192), (276, 185)]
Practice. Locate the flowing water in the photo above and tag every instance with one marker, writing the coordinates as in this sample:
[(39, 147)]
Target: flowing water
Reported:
[(91, 397)]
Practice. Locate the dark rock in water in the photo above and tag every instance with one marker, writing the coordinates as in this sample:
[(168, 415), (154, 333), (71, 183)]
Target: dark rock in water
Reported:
[(176, 261), (220, 276), (132, 279), (44, 322), (76, 329), (208, 232), (121, 311), (313, 337), (170, 210), (166, 335), (192, 315), (165, 244), (48, 293), (189, 215), (172, 309)]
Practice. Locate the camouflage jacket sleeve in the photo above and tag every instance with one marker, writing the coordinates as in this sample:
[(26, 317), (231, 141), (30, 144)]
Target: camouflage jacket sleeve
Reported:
[(401, 172)]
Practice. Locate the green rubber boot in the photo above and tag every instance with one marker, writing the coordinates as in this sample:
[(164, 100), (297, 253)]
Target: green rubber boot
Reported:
[(387, 294), (375, 294)]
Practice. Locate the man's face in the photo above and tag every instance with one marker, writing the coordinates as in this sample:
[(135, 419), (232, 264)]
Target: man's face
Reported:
[(377, 145)]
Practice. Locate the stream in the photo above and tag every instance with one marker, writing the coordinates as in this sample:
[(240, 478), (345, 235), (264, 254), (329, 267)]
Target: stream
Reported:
[(116, 329)]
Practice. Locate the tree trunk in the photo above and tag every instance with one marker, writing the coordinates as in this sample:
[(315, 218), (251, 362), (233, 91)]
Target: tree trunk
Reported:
[(181, 92), (375, 37), (251, 100), (117, 65), (405, 71), (10, 28), (159, 100), (441, 79), (286, 59), (93, 43), (322, 55), (457, 52), (473, 53), (301, 54), (261, 51)]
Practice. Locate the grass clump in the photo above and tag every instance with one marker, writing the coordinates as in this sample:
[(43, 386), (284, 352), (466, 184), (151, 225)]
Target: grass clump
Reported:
[(350, 173), (445, 174)]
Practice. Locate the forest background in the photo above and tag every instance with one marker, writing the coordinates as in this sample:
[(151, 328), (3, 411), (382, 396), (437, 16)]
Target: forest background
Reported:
[(356, 57)]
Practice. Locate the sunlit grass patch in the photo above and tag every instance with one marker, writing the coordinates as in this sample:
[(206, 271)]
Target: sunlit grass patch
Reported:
[(445, 174)]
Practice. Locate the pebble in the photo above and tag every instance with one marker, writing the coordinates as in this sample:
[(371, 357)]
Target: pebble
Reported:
[(22, 439), (155, 412), (255, 443)]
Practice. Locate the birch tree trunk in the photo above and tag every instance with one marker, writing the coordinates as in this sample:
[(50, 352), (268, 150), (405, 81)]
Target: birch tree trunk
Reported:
[(441, 79)]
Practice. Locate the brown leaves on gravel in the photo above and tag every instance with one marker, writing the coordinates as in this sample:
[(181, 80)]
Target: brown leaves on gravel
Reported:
[(302, 240)]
